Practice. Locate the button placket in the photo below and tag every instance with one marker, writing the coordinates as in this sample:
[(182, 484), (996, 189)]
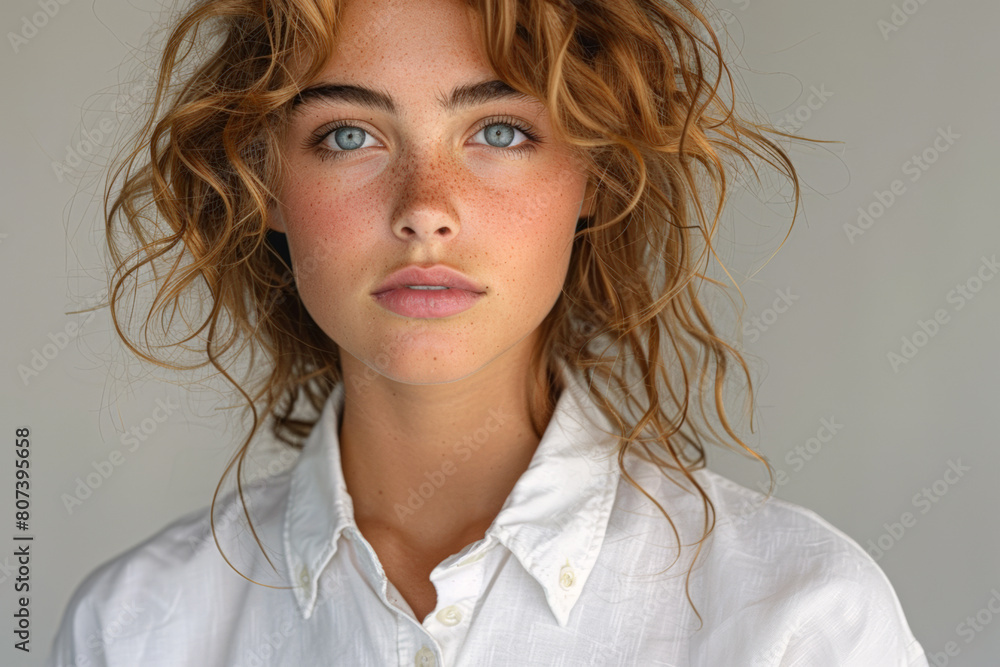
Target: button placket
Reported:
[(458, 585)]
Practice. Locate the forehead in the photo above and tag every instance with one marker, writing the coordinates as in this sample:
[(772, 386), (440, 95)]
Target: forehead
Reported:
[(411, 39)]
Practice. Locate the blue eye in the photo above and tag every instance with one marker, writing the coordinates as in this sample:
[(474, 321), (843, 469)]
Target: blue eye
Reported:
[(352, 136), (340, 139), (501, 133), (345, 138)]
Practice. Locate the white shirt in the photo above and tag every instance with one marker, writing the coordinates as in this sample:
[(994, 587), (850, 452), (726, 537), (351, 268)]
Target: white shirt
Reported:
[(565, 576)]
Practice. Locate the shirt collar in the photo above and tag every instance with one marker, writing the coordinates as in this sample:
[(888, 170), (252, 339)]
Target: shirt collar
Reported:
[(554, 519)]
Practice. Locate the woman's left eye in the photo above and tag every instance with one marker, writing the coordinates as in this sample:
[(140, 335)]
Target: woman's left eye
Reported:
[(502, 134)]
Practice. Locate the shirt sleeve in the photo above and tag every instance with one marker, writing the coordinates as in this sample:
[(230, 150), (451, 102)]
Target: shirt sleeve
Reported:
[(79, 640), (853, 621), (108, 619)]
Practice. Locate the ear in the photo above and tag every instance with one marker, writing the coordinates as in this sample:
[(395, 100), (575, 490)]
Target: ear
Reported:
[(275, 220)]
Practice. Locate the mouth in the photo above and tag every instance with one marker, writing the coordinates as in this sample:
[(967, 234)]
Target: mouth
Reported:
[(434, 278), (428, 292), (426, 301)]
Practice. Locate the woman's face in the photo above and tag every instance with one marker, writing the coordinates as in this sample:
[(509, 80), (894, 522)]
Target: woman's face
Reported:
[(389, 167)]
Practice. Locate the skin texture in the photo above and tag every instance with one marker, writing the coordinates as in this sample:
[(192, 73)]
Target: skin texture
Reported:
[(427, 188)]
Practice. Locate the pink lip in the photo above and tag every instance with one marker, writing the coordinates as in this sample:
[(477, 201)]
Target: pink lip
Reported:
[(395, 293)]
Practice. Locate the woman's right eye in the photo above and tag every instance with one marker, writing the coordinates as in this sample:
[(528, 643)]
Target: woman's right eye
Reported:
[(346, 139)]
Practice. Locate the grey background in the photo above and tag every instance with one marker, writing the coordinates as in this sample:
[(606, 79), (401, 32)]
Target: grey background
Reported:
[(886, 97)]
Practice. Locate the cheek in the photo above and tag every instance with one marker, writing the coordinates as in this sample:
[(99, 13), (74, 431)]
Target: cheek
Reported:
[(329, 236), (540, 242)]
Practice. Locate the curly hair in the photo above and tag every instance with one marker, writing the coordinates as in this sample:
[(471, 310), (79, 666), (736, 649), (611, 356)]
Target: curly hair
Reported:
[(635, 87)]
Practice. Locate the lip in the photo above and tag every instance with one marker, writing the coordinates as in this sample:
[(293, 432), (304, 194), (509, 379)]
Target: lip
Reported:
[(435, 276), (395, 294)]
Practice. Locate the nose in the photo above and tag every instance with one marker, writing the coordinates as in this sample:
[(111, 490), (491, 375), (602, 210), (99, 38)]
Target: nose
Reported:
[(426, 210), (421, 227)]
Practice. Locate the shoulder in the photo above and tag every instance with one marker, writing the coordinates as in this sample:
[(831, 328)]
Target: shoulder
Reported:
[(797, 549), (828, 601), (785, 541), (748, 520), (773, 582), (154, 583)]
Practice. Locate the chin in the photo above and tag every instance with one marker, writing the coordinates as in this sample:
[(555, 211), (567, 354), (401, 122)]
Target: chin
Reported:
[(414, 364), (438, 374)]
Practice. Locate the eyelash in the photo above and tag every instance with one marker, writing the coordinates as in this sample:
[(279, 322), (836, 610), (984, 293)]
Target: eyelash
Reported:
[(317, 138)]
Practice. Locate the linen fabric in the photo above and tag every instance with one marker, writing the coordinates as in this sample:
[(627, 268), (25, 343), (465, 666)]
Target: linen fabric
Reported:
[(578, 568)]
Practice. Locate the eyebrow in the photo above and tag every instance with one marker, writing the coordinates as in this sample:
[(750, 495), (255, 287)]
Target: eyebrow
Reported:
[(464, 96)]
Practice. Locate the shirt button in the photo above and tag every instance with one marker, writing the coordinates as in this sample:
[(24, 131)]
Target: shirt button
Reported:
[(425, 658), (450, 615), (304, 576), (567, 577)]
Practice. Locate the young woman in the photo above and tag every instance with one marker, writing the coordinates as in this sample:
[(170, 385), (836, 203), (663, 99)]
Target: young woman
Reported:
[(460, 240)]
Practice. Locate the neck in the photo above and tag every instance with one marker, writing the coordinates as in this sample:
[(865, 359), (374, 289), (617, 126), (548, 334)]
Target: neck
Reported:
[(435, 463)]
